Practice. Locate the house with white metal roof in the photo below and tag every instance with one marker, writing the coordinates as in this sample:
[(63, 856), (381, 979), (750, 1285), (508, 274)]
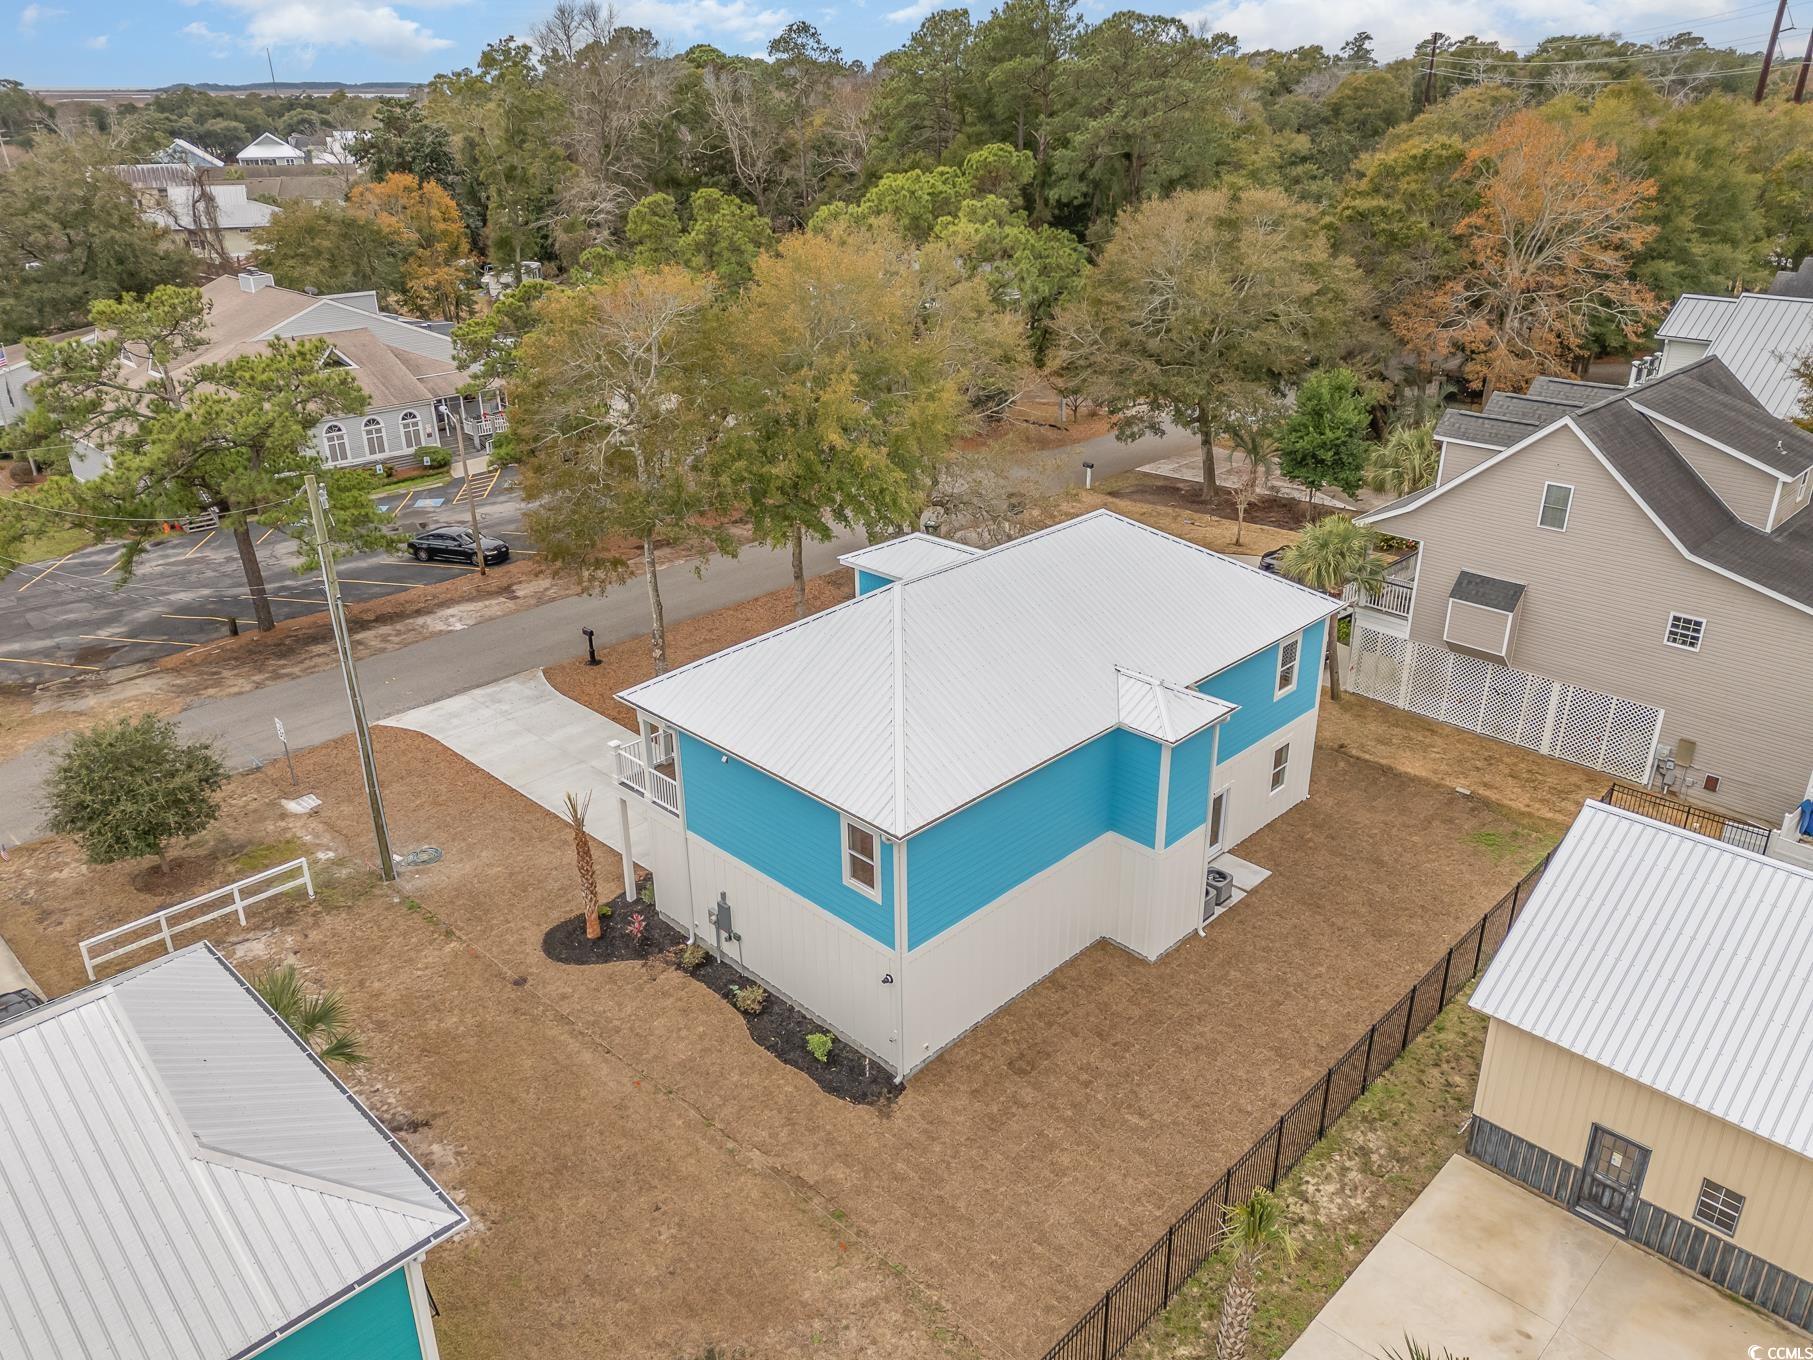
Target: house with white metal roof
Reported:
[(181, 1178), (903, 811), (1649, 1056), (1761, 337), (269, 149)]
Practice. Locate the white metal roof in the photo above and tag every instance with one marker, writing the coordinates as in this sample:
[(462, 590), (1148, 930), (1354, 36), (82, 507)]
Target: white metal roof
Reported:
[(1696, 316), (1675, 960), (181, 1179), (901, 559), (904, 704), (1762, 340), (268, 146), (1165, 711)]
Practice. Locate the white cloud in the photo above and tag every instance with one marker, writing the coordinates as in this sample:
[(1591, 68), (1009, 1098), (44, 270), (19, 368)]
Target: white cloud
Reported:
[(33, 15), (914, 12), (219, 44), (96, 43), (303, 25), (738, 20)]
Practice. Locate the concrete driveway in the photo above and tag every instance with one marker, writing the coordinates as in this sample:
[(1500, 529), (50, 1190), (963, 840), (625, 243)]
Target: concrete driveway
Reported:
[(1491, 1271), (526, 733)]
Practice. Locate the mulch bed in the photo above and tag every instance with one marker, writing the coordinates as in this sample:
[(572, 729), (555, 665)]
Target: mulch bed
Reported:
[(779, 1027), (1279, 512)]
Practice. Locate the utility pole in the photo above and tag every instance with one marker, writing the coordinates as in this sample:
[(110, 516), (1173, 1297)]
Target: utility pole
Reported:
[(5, 156), (1800, 81), (368, 762), (459, 438), (1435, 40), (1775, 32)]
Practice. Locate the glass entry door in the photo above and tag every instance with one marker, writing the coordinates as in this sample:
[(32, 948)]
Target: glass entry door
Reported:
[(1611, 1178)]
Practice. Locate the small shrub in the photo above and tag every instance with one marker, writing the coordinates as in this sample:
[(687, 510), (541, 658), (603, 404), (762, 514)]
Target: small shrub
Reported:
[(749, 998), (819, 1046), (647, 892), (638, 928), (693, 956)]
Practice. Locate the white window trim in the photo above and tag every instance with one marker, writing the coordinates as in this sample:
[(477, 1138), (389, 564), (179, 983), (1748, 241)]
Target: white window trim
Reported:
[(1280, 776), (1667, 641), (844, 852), (365, 430), (328, 434), (1567, 515), (1279, 688)]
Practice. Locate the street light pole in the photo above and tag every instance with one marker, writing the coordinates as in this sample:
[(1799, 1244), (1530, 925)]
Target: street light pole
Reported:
[(336, 613)]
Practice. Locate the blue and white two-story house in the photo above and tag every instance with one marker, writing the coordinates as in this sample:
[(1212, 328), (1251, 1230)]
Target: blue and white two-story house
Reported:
[(903, 811)]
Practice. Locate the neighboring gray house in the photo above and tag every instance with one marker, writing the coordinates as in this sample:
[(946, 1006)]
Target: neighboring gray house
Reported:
[(1761, 337), (405, 367), (1649, 549)]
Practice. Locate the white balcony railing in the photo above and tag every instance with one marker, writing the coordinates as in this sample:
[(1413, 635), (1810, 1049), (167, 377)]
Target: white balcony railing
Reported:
[(479, 426), (1391, 598), (634, 774)]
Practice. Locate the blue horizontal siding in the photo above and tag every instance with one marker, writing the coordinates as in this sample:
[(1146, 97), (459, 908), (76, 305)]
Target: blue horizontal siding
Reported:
[(377, 1323), (778, 831), (1187, 800), (868, 580), (1251, 683), (963, 863)]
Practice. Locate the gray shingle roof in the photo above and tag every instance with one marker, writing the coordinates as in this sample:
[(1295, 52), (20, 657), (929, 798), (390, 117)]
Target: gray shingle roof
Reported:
[(1488, 592), (1572, 391), (1795, 283), (1736, 422), (1510, 406), (1470, 427)]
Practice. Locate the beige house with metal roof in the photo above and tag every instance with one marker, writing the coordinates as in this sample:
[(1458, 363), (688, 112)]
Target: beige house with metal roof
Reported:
[(1648, 1051), (1619, 576)]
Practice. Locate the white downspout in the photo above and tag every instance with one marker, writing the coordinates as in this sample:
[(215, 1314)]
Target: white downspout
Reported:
[(692, 905), (900, 955), (1208, 813)]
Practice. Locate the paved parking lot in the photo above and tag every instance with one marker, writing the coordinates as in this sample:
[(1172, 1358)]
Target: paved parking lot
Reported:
[(67, 616)]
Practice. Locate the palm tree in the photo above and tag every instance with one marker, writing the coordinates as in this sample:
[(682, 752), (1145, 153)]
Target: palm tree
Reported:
[(318, 1017), (1253, 433), (1255, 1229), (577, 808), (1407, 460), (1330, 555), (1416, 1350)]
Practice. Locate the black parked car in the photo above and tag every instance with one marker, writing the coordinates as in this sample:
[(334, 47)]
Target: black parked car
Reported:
[(1269, 561), (455, 545)]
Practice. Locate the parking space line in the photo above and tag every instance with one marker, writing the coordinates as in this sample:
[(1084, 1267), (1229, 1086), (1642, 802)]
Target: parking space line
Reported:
[(397, 509), (198, 547), (47, 571), (156, 642), (207, 618), (266, 534), (60, 665)]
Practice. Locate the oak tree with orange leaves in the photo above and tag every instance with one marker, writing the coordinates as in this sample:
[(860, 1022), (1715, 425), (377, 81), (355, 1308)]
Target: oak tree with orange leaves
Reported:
[(421, 217), (1546, 258)]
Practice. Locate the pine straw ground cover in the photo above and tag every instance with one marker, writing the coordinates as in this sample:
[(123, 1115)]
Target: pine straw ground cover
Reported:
[(1345, 1194)]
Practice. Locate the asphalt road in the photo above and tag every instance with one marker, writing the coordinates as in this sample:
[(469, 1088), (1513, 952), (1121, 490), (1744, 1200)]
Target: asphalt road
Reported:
[(313, 707), (69, 615)]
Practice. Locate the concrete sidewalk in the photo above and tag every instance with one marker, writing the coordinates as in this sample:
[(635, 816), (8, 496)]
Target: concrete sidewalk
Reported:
[(528, 734), (1488, 1269)]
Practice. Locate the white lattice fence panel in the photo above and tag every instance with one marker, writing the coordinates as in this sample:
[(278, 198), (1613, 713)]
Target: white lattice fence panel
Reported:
[(1585, 726)]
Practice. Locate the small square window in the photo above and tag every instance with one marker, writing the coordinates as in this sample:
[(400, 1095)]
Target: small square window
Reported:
[(1718, 1208), (1281, 764), (861, 861), (1557, 500), (1685, 632), (1290, 652)]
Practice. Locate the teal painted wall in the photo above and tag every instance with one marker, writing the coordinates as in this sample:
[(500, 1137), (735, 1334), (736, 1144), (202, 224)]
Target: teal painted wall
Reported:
[(778, 831), (1187, 802), (377, 1323), (1250, 684), (963, 863), (868, 580)]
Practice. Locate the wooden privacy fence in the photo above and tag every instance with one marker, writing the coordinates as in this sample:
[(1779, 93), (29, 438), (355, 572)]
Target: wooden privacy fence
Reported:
[(1160, 1271), (232, 900), (1586, 726)]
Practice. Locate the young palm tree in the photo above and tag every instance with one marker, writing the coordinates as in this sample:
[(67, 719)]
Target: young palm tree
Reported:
[(1407, 461), (1330, 555), (577, 808), (1416, 1350), (1255, 1229), (318, 1017), (1253, 433)]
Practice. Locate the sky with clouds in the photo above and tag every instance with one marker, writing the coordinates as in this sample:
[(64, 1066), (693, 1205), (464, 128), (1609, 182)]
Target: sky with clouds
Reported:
[(155, 42)]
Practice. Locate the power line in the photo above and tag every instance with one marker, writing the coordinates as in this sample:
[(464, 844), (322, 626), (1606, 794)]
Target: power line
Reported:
[(15, 501), (1543, 63)]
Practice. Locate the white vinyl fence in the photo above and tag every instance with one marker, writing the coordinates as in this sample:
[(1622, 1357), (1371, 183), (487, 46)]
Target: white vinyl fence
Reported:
[(1586, 726), (161, 927)]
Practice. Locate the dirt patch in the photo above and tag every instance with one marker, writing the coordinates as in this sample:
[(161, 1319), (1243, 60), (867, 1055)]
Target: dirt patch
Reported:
[(1187, 520), (1523, 781), (779, 1027), (628, 663), (1277, 512)]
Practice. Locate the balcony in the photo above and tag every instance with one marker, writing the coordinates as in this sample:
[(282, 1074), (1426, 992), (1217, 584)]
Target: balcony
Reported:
[(481, 426), (657, 784), (1391, 598)]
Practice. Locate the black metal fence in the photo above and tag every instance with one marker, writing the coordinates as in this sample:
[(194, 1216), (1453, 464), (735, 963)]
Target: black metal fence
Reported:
[(1660, 808), (1138, 1296)]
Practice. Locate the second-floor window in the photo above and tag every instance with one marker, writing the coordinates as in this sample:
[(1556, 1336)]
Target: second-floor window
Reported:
[(1290, 653), (862, 859), (1685, 631), (1557, 501), (335, 439), (374, 438)]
